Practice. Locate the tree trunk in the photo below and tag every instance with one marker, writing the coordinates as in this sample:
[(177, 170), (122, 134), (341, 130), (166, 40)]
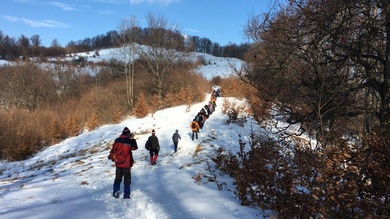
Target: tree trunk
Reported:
[(385, 94)]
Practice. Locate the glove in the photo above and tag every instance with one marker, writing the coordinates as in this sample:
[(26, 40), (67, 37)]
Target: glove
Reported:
[(109, 157)]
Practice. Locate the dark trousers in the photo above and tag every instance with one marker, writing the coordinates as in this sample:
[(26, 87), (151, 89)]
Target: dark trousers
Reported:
[(175, 145), (122, 173), (194, 133), (153, 152), (119, 174)]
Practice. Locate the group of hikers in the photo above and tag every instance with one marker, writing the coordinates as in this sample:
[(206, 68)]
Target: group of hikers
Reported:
[(199, 120), (121, 151)]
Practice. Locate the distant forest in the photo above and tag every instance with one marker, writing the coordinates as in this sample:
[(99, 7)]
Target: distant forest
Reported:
[(12, 49)]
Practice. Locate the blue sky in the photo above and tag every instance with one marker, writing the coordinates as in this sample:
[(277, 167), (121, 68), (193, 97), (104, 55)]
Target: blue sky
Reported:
[(221, 21)]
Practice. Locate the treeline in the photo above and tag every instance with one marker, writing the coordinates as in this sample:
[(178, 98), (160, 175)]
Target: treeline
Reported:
[(321, 73), (24, 46)]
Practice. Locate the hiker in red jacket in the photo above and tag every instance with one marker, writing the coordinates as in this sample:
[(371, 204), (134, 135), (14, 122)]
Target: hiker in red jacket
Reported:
[(123, 170)]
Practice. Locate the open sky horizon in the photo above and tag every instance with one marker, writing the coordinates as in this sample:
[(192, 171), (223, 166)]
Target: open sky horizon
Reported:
[(221, 21)]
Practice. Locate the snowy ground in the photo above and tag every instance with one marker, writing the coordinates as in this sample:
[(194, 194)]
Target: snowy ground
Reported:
[(74, 178)]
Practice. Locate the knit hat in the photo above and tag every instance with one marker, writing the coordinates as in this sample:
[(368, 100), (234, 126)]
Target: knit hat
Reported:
[(126, 131), (177, 131), (153, 132)]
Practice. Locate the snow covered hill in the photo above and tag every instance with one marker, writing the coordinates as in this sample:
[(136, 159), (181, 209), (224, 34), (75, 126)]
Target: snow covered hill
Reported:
[(213, 66), (74, 179)]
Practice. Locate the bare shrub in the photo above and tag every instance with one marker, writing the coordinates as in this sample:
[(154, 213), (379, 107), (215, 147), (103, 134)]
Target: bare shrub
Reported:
[(236, 113), (104, 101), (26, 86), (296, 181), (22, 134)]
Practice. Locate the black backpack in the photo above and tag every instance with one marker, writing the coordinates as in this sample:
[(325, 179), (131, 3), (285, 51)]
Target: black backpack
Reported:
[(193, 125), (148, 145)]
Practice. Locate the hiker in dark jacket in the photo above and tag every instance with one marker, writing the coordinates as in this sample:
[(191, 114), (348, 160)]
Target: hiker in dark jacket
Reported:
[(199, 120), (123, 170), (154, 149), (175, 139), (206, 107)]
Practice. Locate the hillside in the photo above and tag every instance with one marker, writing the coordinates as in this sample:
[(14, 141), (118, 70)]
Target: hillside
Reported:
[(73, 179), (214, 66)]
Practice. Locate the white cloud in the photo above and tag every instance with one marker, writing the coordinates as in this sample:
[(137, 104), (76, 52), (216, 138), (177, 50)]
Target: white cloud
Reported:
[(192, 30), (35, 23), (163, 2), (63, 6), (111, 1), (26, 1), (10, 18), (106, 12)]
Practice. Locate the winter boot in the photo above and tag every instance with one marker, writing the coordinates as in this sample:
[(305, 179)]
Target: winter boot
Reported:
[(115, 192), (155, 159), (126, 192)]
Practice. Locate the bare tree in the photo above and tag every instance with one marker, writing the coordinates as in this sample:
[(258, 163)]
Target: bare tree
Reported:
[(26, 86), (35, 43), (324, 64), (165, 47), (35, 40), (55, 43), (128, 34), (24, 45)]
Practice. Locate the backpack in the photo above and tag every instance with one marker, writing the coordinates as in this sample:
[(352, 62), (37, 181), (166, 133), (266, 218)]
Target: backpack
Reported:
[(193, 125), (116, 154), (148, 145), (197, 118)]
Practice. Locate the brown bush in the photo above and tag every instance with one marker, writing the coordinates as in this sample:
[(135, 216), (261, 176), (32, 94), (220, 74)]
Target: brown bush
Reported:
[(104, 102), (93, 121), (297, 182), (234, 87), (55, 130), (72, 124), (259, 108), (155, 103), (21, 134), (185, 96), (141, 108)]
